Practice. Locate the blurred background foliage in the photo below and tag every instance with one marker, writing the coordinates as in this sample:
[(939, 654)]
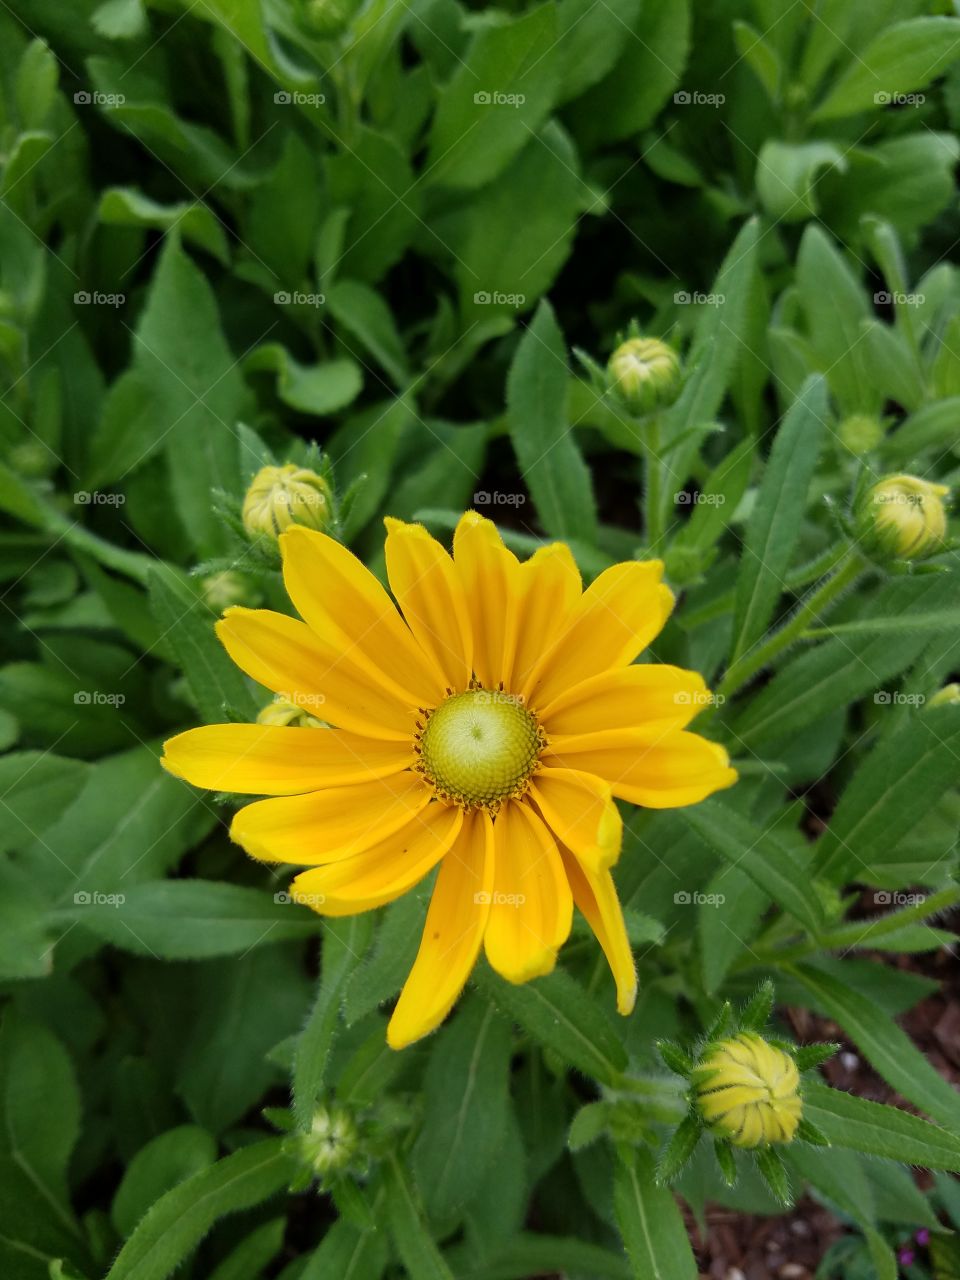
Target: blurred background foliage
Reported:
[(231, 228)]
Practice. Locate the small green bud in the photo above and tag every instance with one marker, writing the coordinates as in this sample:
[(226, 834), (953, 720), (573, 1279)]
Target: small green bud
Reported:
[(297, 710), (860, 433), (748, 1091), (903, 518), (644, 374), (281, 496), (32, 459), (948, 696), (227, 588), (329, 18), (332, 1142)]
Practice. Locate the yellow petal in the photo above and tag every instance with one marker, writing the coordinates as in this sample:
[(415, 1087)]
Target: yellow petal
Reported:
[(596, 897), (616, 617), (488, 572), (627, 698), (580, 811), (269, 760), (549, 586), (327, 825), (532, 907), (284, 655), (425, 582), (452, 935), (658, 770), (384, 872), (344, 604)]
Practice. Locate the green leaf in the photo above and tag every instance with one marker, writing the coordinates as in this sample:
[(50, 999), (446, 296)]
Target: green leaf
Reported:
[(835, 308), (187, 623), (500, 93), (897, 784), (344, 942), (883, 1044), (364, 314), (348, 1253), (163, 1163), (558, 1012), (316, 389), (903, 58), (650, 1223), (179, 1220), (759, 854), (777, 516), (878, 1130), (127, 207), (591, 39), (417, 1251), (679, 1149), (35, 787), (788, 174), (465, 1097), (195, 919), (183, 394), (549, 459), (253, 1254)]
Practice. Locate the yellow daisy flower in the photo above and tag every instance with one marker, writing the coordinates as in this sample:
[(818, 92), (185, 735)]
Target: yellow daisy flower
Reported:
[(487, 726)]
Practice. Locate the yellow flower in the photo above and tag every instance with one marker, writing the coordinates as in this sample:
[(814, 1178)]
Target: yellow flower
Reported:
[(487, 728), (645, 374), (281, 496), (903, 517), (749, 1091)]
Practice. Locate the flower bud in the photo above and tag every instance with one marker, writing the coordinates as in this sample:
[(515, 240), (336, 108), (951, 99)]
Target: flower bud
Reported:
[(644, 373), (329, 18), (331, 1143), (860, 433), (903, 518), (948, 696), (748, 1091), (283, 711), (227, 588), (281, 496)]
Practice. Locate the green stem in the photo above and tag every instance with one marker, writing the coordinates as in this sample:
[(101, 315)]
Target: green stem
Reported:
[(653, 511), (816, 603)]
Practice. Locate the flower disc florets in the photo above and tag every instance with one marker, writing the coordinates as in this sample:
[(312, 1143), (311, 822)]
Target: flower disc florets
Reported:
[(479, 747)]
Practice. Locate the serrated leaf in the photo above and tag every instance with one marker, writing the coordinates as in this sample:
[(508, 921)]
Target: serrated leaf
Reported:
[(879, 1130)]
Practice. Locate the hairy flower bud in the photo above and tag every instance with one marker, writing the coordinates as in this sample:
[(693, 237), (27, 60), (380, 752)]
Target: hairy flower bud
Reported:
[(903, 518), (644, 373), (331, 1143), (748, 1091), (226, 588), (860, 433), (281, 496)]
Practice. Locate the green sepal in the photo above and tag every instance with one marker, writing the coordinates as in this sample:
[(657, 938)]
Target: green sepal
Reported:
[(679, 1149), (756, 1014), (774, 1174), (808, 1132), (808, 1056), (726, 1160), (675, 1057), (721, 1024), (280, 1117)]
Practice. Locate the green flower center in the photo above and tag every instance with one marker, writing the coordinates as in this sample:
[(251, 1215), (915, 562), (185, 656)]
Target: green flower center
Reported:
[(479, 747)]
